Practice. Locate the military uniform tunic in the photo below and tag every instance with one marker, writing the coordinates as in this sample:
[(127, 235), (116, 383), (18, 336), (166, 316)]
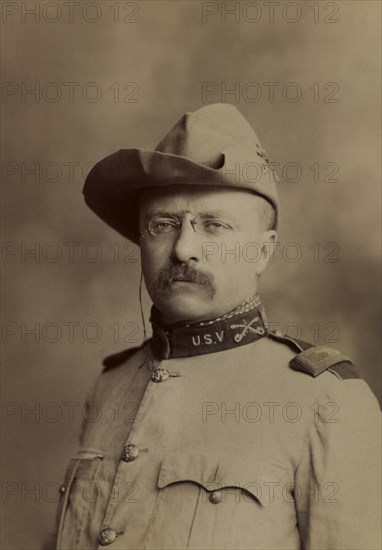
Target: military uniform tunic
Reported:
[(232, 449)]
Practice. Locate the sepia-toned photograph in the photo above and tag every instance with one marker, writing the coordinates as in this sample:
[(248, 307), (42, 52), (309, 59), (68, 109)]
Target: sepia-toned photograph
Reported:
[(191, 267)]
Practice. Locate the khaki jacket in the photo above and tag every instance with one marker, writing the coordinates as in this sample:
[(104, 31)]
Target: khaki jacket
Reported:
[(232, 450)]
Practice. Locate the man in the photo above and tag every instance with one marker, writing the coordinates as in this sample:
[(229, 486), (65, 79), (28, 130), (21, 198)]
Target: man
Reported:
[(216, 433)]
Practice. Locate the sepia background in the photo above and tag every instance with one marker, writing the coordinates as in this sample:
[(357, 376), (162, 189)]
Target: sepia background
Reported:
[(110, 75)]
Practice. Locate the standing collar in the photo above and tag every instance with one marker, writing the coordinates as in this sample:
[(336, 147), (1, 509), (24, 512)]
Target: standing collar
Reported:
[(243, 325)]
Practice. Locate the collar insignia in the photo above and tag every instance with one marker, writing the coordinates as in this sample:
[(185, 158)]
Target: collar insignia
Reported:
[(243, 325)]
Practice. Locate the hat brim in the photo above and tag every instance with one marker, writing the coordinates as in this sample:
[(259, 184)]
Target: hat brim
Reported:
[(112, 187)]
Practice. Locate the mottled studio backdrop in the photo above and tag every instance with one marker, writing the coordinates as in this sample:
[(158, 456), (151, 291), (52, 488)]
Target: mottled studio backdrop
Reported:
[(83, 79)]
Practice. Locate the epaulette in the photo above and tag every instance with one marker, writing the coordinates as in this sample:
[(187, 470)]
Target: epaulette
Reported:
[(315, 360), (296, 345), (117, 359)]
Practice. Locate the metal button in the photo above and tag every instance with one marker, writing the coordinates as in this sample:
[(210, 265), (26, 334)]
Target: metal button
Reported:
[(62, 490), (107, 536), (160, 375), (216, 497), (130, 452)]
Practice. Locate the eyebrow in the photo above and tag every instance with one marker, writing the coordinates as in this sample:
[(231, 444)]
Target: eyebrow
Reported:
[(180, 213)]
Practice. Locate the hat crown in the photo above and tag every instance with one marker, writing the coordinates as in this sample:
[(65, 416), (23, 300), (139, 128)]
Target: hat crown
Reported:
[(203, 135), (214, 146)]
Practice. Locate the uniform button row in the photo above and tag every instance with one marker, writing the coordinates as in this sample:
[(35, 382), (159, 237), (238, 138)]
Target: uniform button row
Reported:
[(216, 497), (107, 536), (130, 452), (159, 375)]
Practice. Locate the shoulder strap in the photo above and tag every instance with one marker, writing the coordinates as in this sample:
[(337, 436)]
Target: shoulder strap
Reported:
[(117, 359), (296, 345), (314, 360), (318, 359)]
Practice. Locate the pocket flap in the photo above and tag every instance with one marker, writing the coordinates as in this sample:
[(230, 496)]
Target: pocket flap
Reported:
[(215, 472), (84, 466), (89, 454)]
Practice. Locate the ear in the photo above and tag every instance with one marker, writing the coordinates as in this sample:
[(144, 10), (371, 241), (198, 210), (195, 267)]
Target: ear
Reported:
[(268, 243)]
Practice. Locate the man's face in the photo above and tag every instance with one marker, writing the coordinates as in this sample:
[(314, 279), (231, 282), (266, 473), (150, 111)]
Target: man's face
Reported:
[(198, 269)]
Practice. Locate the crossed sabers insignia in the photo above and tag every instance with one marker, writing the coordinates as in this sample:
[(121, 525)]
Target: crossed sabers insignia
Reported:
[(247, 327)]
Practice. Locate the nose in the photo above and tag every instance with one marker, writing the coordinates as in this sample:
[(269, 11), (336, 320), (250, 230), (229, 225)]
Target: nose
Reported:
[(187, 245)]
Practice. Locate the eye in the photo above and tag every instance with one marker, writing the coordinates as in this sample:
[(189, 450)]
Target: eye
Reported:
[(159, 225), (162, 225), (216, 225)]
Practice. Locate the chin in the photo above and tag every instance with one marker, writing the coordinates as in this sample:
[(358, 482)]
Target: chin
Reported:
[(185, 308)]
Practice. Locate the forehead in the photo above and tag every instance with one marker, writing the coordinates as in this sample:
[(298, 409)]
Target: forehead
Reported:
[(197, 199)]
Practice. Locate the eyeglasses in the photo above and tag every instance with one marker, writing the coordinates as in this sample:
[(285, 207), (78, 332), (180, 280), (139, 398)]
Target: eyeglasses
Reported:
[(166, 226)]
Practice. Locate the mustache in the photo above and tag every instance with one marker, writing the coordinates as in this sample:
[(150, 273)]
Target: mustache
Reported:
[(164, 278)]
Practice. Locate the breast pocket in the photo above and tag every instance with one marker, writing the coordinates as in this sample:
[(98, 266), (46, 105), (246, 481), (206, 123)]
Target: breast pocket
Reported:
[(79, 494), (214, 501)]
